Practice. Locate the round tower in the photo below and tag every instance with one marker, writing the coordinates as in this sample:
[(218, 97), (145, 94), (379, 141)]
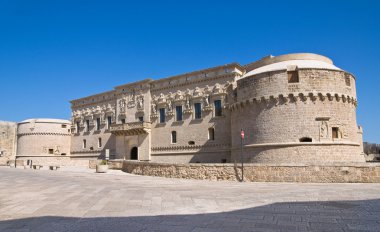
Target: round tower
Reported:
[(43, 141), (296, 108)]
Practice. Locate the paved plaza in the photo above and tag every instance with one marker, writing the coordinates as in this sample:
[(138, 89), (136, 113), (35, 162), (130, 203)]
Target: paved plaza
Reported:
[(80, 200)]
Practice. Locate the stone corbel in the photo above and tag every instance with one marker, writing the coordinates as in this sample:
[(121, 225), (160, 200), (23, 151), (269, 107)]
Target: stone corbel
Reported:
[(330, 97), (293, 97), (337, 97), (302, 97), (344, 98), (282, 99), (321, 96)]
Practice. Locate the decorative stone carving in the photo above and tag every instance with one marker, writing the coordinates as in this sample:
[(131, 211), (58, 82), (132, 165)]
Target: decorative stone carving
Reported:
[(178, 96), (97, 110), (187, 105), (197, 93), (140, 102), (169, 104), (154, 108), (161, 98), (122, 105), (218, 89), (324, 130), (206, 100), (206, 105)]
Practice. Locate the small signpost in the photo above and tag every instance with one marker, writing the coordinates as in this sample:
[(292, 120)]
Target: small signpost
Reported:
[(241, 155)]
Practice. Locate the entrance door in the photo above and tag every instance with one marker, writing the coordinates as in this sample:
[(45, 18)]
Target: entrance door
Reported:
[(134, 153)]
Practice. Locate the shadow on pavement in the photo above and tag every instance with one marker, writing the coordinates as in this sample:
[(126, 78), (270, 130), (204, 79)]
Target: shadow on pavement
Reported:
[(287, 216)]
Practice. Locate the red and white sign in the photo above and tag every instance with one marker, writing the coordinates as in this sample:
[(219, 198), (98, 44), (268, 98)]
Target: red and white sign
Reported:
[(242, 134)]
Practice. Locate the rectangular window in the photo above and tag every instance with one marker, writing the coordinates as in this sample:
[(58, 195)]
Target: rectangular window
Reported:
[(211, 134), (51, 151), (335, 132), (178, 111), (78, 127), (348, 81), (84, 143), (97, 123), (87, 125), (218, 107), (99, 142), (174, 137), (293, 77), (123, 120), (162, 115), (109, 121), (198, 110), (141, 119)]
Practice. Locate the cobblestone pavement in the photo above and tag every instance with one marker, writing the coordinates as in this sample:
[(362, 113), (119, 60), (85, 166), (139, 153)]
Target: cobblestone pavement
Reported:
[(42, 200)]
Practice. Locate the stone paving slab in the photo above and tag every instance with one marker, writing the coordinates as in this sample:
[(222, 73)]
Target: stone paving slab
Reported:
[(81, 200)]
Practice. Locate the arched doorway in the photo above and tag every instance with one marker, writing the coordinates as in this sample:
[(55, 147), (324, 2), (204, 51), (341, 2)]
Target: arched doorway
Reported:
[(134, 153)]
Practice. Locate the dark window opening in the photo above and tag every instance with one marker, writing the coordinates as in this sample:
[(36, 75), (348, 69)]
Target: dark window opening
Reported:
[(198, 110), (335, 132), (224, 161), (347, 80), (63, 153), (87, 125), (84, 143), (134, 153), (141, 119), (211, 133), (191, 143), (293, 77), (218, 107), (77, 127), (123, 120), (162, 115), (63, 126), (99, 142), (109, 122), (174, 137), (97, 123), (178, 110), (51, 151), (306, 140)]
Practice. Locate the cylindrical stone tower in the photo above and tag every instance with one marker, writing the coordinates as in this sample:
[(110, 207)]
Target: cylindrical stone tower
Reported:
[(43, 142), (296, 108)]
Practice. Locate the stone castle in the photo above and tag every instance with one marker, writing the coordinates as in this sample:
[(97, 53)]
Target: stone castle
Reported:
[(297, 108)]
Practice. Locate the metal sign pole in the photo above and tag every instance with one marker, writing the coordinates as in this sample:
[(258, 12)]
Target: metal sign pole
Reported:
[(241, 155)]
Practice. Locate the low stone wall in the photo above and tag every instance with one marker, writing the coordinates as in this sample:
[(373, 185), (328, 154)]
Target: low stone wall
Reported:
[(112, 164), (48, 161), (329, 173)]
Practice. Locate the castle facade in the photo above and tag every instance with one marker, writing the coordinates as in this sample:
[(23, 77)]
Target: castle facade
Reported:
[(292, 108)]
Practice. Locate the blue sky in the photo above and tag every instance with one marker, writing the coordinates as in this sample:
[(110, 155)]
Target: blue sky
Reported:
[(54, 51)]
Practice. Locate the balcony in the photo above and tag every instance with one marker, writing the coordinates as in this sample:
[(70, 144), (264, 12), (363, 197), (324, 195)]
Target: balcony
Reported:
[(132, 128)]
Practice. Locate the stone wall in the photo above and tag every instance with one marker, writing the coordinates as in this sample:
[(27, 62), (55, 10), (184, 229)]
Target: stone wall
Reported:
[(7, 142), (112, 164), (52, 160), (329, 173)]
